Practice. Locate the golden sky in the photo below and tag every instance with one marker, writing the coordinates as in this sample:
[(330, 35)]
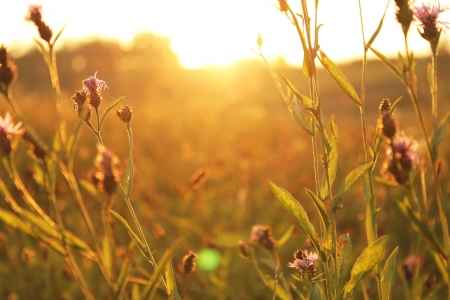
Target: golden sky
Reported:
[(210, 32)]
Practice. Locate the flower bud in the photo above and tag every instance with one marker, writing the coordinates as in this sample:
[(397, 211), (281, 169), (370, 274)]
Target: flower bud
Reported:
[(189, 263), (262, 234), (125, 114)]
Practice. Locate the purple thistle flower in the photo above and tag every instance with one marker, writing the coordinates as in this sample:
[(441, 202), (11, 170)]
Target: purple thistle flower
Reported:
[(431, 26), (94, 88), (305, 262), (403, 157)]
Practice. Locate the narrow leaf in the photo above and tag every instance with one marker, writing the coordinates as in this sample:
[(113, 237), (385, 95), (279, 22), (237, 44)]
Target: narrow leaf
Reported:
[(340, 78), (388, 63), (378, 29), (371, 256), (353, 177), (294, 207), (438, 135), (388, 275)]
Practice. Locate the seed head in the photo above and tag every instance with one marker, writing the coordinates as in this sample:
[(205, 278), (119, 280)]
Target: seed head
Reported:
[(305, 262), (125, 114), (94, 88), (189, 263), (107, 173), (8, 131), (262, 234), (34, 15), (404, 15), (430, 26)]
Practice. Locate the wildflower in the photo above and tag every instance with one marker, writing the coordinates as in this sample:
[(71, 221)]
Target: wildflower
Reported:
[(8, 71), (34, 15), (94, 88), (431, 26), (244, 249), (404, 15), (387, 123), (8, 130), (189, 263), (305, 262), (411, 265), (107, 170), (283, 5), (402, 158), (125, 114), (262, 234)]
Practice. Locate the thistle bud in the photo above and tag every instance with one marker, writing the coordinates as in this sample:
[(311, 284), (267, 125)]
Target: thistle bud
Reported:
[(189, 263), (8, 71), (107, 170), (386, 122), (35, 16), (125, 114)]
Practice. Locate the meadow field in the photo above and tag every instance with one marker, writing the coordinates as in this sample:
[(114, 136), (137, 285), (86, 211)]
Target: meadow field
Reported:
[(125, 175)]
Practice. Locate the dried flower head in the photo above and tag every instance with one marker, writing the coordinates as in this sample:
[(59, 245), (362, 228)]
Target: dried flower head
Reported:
[(125, 114), (94, 88), (107, 172), (403, 156), (404, 15), (262, 234), (8, 71), (430, 25), (305, 262), (8, 131), (34, 15), (189, 263)]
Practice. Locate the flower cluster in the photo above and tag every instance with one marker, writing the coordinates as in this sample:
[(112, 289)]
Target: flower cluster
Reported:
[(305, 262), (402, 156), (8, 131), (107, 173), (7, 71), (262, 234), (35, 16)]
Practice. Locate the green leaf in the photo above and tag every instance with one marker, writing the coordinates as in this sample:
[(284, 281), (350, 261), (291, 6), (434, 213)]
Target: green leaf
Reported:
[(438, 136), (294, 207), (371, 256), (159, 270), (306, 101), (340, 78), (131, 232), (331, 136), (388, 275), (109, 109), (320, 206), (353, 177), (171, 283), (388, 63), (378, 29)]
